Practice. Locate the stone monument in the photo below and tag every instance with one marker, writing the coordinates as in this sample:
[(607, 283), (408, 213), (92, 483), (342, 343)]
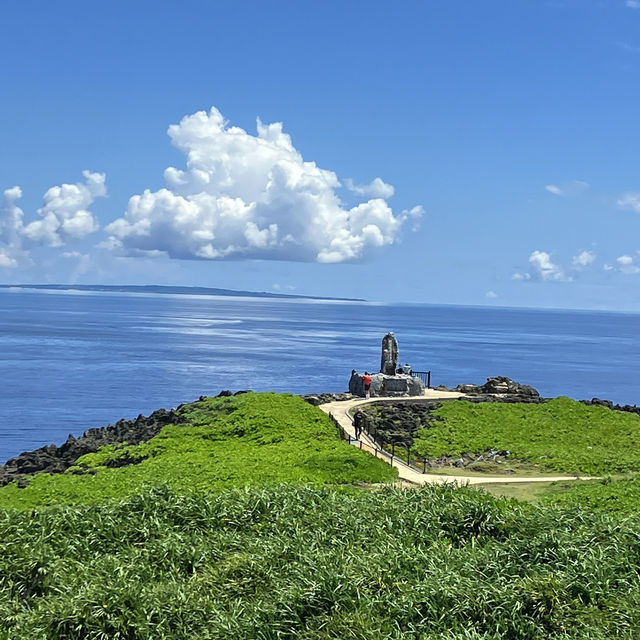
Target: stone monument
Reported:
[(389, 360), (390, 382)]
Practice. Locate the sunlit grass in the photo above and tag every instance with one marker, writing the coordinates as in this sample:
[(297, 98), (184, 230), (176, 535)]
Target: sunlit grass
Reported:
[(561, 435), (251, 439), (303, 562)]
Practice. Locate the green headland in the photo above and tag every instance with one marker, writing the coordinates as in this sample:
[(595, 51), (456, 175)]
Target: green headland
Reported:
[(251, 518)]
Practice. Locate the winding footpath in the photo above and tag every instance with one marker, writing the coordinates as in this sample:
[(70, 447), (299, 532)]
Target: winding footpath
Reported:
[(340, 412)]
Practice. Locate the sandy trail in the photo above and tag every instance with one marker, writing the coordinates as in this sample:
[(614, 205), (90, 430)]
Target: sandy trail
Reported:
[(339, 410)]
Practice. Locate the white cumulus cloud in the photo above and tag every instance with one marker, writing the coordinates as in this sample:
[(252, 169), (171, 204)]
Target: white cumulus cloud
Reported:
[(630, 201), (11, 228), (583, 259), (542, 268), (11, 225), (377, 188), (252, 196), (64, 216), (627, 264), (7, 260)]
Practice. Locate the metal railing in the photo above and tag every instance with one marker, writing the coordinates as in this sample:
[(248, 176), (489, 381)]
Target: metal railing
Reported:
[(378, 450), (425, 376), (375, 450)]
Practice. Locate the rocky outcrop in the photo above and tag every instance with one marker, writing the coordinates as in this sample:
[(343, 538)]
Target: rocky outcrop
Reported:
[(597, 402), (397, 422), (502, 386), (323, 398), (503, 389), (504, 399), (227, 394), (54, 459), (398, 385)]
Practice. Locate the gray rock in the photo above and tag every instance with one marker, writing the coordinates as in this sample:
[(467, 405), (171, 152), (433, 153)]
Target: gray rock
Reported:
[(382, 385), (468, 388), (499, 385), (317, 399), (597, 402)]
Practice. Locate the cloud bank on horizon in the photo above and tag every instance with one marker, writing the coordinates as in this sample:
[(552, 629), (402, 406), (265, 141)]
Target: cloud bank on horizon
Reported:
[(253, 197)]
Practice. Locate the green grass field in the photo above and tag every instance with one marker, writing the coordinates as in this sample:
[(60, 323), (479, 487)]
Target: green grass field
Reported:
[(313, 563), (561, 435), (250, 439), (616, 496), (250, 521)]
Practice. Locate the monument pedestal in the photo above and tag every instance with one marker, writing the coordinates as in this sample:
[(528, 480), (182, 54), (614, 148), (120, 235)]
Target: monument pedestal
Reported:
[(383, 385)]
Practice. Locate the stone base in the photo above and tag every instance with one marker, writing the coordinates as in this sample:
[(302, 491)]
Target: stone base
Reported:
[(382, 385)]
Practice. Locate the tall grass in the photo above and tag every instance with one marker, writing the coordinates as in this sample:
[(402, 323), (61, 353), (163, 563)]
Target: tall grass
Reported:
[(619, 496), (312, 563)]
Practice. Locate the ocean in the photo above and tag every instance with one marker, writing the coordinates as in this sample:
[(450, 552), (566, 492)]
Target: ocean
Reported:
[(74, 360)]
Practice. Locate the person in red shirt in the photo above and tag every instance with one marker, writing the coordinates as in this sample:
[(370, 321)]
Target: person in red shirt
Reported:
[(366, 379)]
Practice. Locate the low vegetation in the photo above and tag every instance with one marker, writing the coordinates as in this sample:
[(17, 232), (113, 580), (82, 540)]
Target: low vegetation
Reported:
[(311, 563), (561, 435), (246, 521), (250, 439), (616, 496)]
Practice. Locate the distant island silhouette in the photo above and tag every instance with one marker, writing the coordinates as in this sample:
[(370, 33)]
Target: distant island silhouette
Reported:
[(151, 288)]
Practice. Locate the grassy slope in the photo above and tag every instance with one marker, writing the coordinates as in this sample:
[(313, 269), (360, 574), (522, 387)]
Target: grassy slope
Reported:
[(620, 497), (311, 563), (251, 439), (612, 496), (190, 559), (559, 436)]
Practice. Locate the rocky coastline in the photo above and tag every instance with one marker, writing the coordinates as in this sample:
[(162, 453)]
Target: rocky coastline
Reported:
[(57, 459)]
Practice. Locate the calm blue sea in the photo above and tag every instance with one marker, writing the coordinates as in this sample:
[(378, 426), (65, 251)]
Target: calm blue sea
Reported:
[(70, 361)]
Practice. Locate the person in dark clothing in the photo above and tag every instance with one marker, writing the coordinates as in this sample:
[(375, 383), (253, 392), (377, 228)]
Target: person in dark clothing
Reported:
[(358, 423)]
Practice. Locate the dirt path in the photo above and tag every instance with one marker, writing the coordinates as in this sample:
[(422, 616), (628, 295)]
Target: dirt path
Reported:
[(339, 410)]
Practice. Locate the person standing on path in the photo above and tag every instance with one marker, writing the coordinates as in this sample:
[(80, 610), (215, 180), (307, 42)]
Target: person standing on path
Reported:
[(366, 379), (358, 419)]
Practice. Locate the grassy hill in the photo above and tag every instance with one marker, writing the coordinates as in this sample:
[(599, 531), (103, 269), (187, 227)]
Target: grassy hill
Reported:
[(246, 520), (561, 435), (250, 439)]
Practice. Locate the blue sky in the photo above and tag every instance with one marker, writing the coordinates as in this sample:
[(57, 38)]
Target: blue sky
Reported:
[(430, 151)]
